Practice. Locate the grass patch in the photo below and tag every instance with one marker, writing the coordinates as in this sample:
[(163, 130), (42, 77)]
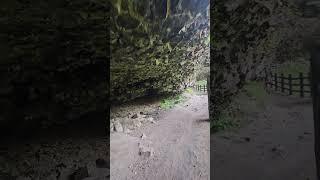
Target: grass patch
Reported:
[(189, 90), (293, 68), (250, 100), (226, 120), (256, 91), (202, 82), (170, 102)]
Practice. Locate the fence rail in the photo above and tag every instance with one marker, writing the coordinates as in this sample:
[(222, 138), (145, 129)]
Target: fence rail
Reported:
[(289, 84), (201, 88)]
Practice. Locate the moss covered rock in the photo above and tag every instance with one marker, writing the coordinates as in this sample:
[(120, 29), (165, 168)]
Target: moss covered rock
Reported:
[(156, 46)]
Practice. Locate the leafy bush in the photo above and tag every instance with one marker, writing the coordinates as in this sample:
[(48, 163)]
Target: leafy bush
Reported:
[(293, 68), (256, 90), (189, 90), (202, 82), (170, 102), (225, 121), (251, 99)]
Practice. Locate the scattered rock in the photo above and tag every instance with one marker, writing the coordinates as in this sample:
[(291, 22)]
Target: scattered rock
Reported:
[(145, 151), (61, 165), (102, 163), (138, 124), (143, 136), (300, 137), (111, 127), (279, 150), (6, 176), (135, 116), (80, 174), (150, 119), (101, 173), (118, 127), (23, 178), (50, 177), (127, 130), (65, 174), (93, 178)]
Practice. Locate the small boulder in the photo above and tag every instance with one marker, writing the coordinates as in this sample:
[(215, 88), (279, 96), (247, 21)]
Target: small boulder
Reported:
[(102, 163), (143, 136), (23, 178), (145, 151), (118, 127), (127, 130), (111, 127), (80, 174), (135, 116), (150, 119), (138, 124)]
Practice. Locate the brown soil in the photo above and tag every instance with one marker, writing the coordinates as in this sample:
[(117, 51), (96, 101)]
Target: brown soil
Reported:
[(277, 144)]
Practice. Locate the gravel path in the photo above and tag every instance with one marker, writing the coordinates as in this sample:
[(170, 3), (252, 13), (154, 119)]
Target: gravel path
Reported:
[(175, 147), (277, 145)]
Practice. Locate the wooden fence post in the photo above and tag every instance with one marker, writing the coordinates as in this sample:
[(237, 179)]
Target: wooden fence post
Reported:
[(310, 83), (282, 82), (276, 81), (290, 84), (265, 78), (301, 85)]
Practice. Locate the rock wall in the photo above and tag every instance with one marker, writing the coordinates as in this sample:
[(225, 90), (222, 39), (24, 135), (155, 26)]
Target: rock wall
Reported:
[(53, 61), (54, 65), (156, 46), (248, 35)]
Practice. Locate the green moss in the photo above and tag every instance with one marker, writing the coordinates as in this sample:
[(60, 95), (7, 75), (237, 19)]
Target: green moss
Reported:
[(251, 99), (202, 82), (170, 102), (189, 91), (225, 121), (207, 40), (256, 90), (293, 68)]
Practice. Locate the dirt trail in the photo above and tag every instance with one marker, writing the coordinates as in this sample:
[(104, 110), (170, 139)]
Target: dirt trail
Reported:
[(277, 145), (180, 142)]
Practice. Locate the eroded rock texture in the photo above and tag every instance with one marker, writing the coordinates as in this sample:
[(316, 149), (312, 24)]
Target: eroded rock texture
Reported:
[(156, 46), (53, 61), (248, 35)]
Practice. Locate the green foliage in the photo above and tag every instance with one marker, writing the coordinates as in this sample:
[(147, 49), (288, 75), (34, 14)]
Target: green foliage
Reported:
[(207, 41), (225, 121), (202, 82), (250, 100), (256, 90), (170, 102), (189, 90), (293, 68)]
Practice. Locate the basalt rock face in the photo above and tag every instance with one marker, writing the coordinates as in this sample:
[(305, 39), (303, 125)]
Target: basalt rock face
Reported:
[(53, 61), (248, 35), (156, 46)]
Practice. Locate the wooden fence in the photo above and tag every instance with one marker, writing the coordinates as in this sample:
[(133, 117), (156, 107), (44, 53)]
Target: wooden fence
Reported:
[(289, 84), (200, 88)]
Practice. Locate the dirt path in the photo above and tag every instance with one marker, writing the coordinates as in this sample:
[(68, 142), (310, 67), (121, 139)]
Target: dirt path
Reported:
[(277, 145), (179, 140)]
